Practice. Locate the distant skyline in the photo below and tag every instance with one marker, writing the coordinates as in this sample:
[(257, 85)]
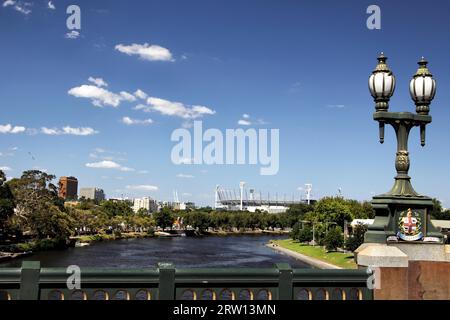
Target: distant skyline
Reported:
[(100, 103)]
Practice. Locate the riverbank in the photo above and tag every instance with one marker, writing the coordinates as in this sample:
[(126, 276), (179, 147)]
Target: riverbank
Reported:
[(315, 256), (108, 237), (244, 232)]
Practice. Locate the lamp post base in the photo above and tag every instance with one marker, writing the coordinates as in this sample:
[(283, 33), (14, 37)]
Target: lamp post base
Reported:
[(402, 219)]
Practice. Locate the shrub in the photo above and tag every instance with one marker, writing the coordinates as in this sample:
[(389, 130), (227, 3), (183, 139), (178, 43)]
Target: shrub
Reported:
[(356, 238), (334, 239)]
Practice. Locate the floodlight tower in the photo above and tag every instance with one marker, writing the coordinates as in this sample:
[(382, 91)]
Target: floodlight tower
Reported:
[(308, 189), (241, 186)]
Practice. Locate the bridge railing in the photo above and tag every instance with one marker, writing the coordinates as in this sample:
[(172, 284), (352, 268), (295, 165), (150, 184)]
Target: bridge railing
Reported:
[(31, 282)]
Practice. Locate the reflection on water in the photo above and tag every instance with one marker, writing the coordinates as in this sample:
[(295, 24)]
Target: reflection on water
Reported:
[(206, 252)]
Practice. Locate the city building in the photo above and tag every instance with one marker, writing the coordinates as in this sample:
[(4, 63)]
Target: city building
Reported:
[(68, 188), (146, 203), (92, 193)]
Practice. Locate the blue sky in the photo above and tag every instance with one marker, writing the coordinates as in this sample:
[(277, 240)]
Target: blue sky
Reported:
[(299, 66)]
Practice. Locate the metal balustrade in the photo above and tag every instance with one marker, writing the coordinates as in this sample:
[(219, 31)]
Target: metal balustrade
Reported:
[(31, 282)]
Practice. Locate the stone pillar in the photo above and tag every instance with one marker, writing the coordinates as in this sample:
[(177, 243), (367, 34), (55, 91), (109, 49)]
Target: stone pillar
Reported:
[(408, 271)]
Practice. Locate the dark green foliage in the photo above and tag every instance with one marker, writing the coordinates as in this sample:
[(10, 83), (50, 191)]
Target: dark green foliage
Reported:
[(301, 232), (356, 238), (6, 203), (38, 207), (116, 208), (164, 218), (334, 239), (438, 212)]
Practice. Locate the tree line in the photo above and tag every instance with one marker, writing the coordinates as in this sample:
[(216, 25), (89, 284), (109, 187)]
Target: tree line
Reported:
[(31, 209)]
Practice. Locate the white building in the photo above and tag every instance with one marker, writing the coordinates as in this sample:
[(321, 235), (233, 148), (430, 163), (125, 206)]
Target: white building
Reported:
[(92, 193), (146, 203)]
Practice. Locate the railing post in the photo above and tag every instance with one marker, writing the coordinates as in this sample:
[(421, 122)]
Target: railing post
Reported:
[(285, 285), (29, 280), (166, 290)]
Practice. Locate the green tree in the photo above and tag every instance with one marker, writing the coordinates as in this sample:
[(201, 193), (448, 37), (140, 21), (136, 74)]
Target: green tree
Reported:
[(163, 218), (142, 212), (116, 208), (6, 203), (198, 220), (38, 208), (331, 209), (301, 232), (438, 213), (356, 238), (334, 239)]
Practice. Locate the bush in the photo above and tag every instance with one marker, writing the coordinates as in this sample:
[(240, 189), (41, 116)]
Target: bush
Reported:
[(151, 232), (305, 235), (334, 239), (356, 238)]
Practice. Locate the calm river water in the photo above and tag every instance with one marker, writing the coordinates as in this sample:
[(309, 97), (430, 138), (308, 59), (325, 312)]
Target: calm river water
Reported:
[(212, 251)]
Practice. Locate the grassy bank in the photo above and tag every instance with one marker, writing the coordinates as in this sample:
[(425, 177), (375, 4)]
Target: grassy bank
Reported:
[(343, 260)]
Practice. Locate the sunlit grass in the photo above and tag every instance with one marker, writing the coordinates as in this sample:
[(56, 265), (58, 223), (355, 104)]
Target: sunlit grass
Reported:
[(343, 260)]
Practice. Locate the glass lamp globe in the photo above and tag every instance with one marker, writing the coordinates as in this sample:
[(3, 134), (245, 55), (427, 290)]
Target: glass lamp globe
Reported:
[(382, 84), (422, 88)]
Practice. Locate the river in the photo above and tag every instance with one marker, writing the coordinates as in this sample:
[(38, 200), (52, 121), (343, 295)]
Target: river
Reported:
[(187, 252)]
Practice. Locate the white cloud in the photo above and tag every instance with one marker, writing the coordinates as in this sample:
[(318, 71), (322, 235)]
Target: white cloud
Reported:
[(99, 82), (5, 168), (19, 6), (129, 121), (246, 121), (50, 5), (100, 97), (127, 96), (185, 176), (140, 94), (146, 51), (82, 131), (142, 187), (177, 109), (243, 122), (8, 3), (143, 171), (8, 128), (108, 164)]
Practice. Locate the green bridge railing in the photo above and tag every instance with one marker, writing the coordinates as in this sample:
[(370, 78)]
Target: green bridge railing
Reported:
[(31, 282)]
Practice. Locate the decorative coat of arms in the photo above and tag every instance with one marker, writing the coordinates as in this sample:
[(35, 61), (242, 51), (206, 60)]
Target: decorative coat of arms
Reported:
[(410, 225)]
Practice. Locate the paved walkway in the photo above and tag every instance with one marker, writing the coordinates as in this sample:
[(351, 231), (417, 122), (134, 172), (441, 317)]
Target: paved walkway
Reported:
[(311, 261)]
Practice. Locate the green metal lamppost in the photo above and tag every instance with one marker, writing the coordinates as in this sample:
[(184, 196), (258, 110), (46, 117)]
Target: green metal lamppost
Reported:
[(402, 214)]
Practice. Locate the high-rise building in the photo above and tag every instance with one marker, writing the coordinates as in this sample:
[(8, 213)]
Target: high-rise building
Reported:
[(146, 203), (92, 193), (68, 188)]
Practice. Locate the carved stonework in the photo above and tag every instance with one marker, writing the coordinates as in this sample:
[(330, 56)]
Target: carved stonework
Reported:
[(402, 161)]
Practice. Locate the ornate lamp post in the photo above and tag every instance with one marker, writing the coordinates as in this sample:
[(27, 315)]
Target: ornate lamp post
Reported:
[(402, 214)]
